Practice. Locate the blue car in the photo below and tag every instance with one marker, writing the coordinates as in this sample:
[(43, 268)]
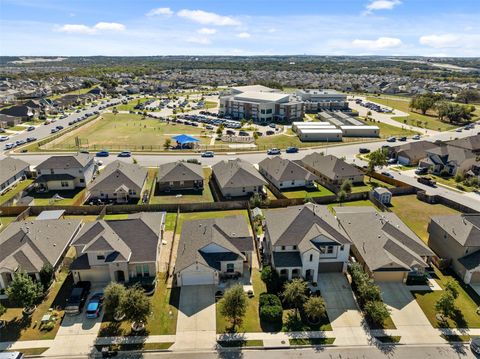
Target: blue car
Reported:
[(125, 154), (208, 154), (102, 154), (94, 306), (291, 150)]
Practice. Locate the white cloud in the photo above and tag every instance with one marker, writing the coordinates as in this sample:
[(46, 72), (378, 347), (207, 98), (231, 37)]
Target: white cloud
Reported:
[(207, 31), (111, 26), (160, 11), (378, 44), (208, 18), (202, 40), (382, 5), (244, 35), (84, 29), (440, 41)]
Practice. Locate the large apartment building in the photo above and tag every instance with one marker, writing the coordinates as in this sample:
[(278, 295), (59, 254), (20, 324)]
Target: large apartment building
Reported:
[(261, 104)]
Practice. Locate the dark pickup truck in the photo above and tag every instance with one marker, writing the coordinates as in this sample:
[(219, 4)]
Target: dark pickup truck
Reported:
[(77, 298), (426, 181)]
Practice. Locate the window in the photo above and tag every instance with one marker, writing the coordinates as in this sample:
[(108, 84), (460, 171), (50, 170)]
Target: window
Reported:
[(342, 247), (230, 267), (52, 171), (294, 247), (39, 172), (82, 180), (330, 249), (64, 184), (139, 270), (80, 171), (243, 189), (100, 257), (311, 257), (146, 270), (283, 248)]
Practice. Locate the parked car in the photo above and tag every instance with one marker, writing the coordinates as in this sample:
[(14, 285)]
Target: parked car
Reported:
[(125, 154), (426, 181), (415, 137), (102, 154), (54, 130), (30, 128), (387, 174), (291, 150), (421, 171), (31, 139), (363, 150), (403, 138), (84, 151), (273, 151), (94, 306), (77, 298), (459, 129), (3, 138), (9, 146), (208, 154), (391, 139), (60, 127)]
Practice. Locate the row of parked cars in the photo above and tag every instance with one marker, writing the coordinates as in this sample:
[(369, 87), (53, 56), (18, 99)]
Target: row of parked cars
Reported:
[(373, 106)]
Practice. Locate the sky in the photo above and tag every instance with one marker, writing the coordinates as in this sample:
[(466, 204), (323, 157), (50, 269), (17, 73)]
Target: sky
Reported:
[(240, 27)]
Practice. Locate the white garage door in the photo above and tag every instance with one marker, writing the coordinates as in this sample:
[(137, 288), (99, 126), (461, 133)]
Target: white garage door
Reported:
[(95, 275), (197, 278)]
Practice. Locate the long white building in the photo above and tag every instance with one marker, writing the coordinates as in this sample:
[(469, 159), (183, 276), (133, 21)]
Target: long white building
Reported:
[(316, 100)]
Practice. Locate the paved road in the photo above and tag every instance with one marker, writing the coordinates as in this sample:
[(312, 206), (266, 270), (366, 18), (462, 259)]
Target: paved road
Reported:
[(391, 352)]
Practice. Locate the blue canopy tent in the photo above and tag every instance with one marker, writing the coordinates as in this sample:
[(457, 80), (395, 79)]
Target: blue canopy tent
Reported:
[(185, 139)]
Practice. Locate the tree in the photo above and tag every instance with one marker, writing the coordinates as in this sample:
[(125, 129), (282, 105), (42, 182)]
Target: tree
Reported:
[(452, 288), (423, 102), (3, 310), (341, 196), (466, 96), (455, 113), (24, 291), (270, 308), (346, 186), (220, 129), (445, 304), (376, 158), (270, 278), (114, 295), (46, 275), (167, 143), (368, 291), (377, 311), (234, 304), (136, 305), (315, 308), (295, 293)]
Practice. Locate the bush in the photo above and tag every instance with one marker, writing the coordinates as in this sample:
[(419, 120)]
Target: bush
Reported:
[(48, 326), (271, 313), (270, 278), (46, 275), (376, 311), (269, 300)]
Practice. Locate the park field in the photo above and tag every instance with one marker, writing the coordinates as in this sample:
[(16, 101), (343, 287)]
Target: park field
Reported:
[(128, 132)]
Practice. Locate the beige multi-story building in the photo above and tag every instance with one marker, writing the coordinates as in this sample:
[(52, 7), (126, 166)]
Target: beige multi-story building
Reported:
[(261, 104)]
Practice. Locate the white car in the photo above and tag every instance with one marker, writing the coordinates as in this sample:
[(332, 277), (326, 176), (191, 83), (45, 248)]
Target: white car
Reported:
[(3, 138)]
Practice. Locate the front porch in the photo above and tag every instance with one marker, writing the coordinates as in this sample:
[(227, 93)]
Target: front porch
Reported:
[(245, 280)]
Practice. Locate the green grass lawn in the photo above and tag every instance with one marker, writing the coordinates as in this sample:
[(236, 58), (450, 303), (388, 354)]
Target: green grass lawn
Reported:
[(131, 104), (387, 130), (170, 221), (19, 187), (190, 216), (115, 217), (240, 343), (163, 319), (311, 341), (5, 221), (450, 181), (389, 339), (369, 185), (210, 104), (20, 327), (128, 132), (139, 346), (466, 316), (318, 191), (70, 197), (416, 214), (456, 338), (190, 196), (429, 120), (351, 204), (74, 92)]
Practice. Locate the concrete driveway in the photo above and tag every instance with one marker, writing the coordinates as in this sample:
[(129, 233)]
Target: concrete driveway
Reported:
[(196, 323)]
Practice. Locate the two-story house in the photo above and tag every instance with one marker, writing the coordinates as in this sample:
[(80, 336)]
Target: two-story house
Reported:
[(457, 237), (305, 241), (119, 250), (65, 172), (212, 249), (283, 173)]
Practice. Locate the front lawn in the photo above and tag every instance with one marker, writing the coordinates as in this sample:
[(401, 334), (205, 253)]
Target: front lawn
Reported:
[(187, 196), (467, 304), (19, 187), (416, 214), (318, 191), (312, 341), (20, 327), (162, 321)]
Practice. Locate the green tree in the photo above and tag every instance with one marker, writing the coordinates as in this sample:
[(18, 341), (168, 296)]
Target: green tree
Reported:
[(46, 275), (24, 291), (136, 305), (114, 294), (220, 129), (452, 288), (377, 311), (346, 186), (376, 158), (341, 196), (315, 308), (270, 278), (368, 291), (466, 96), (234, 305), (295, 293), (446, 304), (167, 143), (423, 102)]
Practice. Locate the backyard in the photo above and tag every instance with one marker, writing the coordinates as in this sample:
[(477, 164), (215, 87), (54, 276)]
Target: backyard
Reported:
[(317, 191), (369, 185), (416, 214), (190, 216), (59, 198), (16, 189), (128, 132)]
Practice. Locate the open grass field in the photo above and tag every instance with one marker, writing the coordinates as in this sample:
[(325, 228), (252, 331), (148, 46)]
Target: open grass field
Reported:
[(129, 132), (429, 120), (318, 191), (416, 214), (74, 92), (131, 104), (466, 315), (162, 320), (387, 130), (186, 196), (190, 216)]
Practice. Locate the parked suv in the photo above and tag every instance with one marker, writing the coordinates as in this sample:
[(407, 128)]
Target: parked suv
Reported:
[(426, 181), (77, 298)]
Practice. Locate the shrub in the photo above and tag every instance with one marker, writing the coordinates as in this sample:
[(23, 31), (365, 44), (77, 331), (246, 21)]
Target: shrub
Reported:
[(377, 312), (314, 307), (271, 313), (270, 278), (369, 292), (46, 275), (269, 300), (48, 326)]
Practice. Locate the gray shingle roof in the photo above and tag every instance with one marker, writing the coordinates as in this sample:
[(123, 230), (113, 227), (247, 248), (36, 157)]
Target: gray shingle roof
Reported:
[(382, 239), (31, 244), (299, 225), (80, 160), (414, 150), (120, 173), (237, 173), (9, 167), (464, 228), (179, 171), (470, 143), (231, 233), (282, 169), (287, 259), (471, 261), (330, 166)]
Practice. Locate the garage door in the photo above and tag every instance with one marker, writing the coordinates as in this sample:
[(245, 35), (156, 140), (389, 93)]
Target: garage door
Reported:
[(388, 276), (197, 278), (95, 275), (403, 160), (330, 267), (475, 277)]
